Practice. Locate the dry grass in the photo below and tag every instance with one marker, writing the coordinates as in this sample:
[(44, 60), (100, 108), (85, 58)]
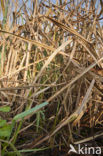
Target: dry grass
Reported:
[(54, 53)]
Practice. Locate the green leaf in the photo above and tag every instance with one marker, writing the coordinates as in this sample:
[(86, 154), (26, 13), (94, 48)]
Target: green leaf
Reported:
[(5, 109), (5, 131), (38, 120), (45, 53), (2, 123), (39, 65), (30, 111)]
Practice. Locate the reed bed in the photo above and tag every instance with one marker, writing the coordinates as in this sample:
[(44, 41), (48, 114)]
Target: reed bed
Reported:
[(51, 76)]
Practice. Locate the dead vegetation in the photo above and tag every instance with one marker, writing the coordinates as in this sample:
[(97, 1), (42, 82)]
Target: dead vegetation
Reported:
[(51, 51)]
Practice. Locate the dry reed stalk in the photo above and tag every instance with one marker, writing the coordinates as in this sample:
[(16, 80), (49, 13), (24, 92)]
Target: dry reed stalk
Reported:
[(52, 52)]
